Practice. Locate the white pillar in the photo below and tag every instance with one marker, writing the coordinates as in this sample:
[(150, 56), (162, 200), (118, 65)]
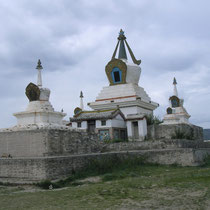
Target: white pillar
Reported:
[(170, 105), (84, 125), (74, 124), (39, 78), (175, 89), (129, 130), (81, 101), (142, 126)]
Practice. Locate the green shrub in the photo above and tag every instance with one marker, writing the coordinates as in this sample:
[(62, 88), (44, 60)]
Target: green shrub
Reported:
[(206, 161), (44, 184), (179, 134), (151, 119), (190, 135)]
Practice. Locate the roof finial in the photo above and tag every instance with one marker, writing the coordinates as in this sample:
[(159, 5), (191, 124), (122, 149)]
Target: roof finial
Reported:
[(121, 35), (122, 51), (39, 78), (81, 95), (39, 65), (174, 82), (81, 101), (175, 89)]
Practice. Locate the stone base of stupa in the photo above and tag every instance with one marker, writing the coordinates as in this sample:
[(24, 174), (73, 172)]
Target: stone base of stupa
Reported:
[(40, 113), (39, 118), (170, 119), (179, 115)]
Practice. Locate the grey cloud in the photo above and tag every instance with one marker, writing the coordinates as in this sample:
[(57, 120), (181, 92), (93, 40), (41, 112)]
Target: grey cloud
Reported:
[(75, 39)]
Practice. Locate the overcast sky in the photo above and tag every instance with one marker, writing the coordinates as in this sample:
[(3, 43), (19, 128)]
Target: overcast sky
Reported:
[(76, 39)]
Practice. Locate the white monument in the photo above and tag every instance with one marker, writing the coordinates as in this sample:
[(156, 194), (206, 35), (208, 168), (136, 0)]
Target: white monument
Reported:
[(124, 92), (39, 111), (176, 113)]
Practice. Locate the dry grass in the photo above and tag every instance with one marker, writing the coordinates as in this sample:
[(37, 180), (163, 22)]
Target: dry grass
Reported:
[(137, 187)]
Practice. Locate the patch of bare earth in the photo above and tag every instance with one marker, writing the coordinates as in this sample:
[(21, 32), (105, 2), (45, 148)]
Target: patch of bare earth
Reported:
[(94, 179)]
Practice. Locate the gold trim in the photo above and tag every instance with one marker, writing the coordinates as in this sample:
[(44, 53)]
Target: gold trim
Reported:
[(115, 51), (175, 98), (137, 62), (116, 63), (32, 92), (77, 111)]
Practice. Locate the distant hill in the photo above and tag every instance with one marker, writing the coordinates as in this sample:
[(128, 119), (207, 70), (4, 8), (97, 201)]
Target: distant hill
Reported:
[(206, 134)]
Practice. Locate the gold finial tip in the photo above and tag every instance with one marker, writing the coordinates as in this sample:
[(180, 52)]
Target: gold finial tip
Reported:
[(121, 35), (121, 32)]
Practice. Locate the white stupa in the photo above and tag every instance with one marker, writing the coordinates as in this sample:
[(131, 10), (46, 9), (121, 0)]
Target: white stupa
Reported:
[(124, 93), (123, 90), (39, 111), (176, 113)]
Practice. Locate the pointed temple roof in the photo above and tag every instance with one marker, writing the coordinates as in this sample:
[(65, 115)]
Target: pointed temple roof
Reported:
[(122, 51)]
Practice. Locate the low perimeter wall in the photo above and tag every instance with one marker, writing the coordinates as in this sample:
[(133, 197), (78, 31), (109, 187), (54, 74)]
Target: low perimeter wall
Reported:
[(47, 142), (161, 131), (155, 144), (24, 170)]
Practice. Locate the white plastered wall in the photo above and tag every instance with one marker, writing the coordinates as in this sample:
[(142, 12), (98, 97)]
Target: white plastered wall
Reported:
[(83, 125), (129, 129), (108, 124), (134, 110), (142, 129), (117, 122), (142, 126)]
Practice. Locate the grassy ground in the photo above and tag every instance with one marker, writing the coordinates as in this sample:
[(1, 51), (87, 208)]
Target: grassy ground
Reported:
[(131, 186)]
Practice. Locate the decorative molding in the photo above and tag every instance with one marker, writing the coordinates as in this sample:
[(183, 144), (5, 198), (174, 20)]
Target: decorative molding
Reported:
[(77, 110), (115, 51), (137, 62), (32, 92), (175, 102), (121, 65), (169, 110), (117, 98), (149, 106)]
